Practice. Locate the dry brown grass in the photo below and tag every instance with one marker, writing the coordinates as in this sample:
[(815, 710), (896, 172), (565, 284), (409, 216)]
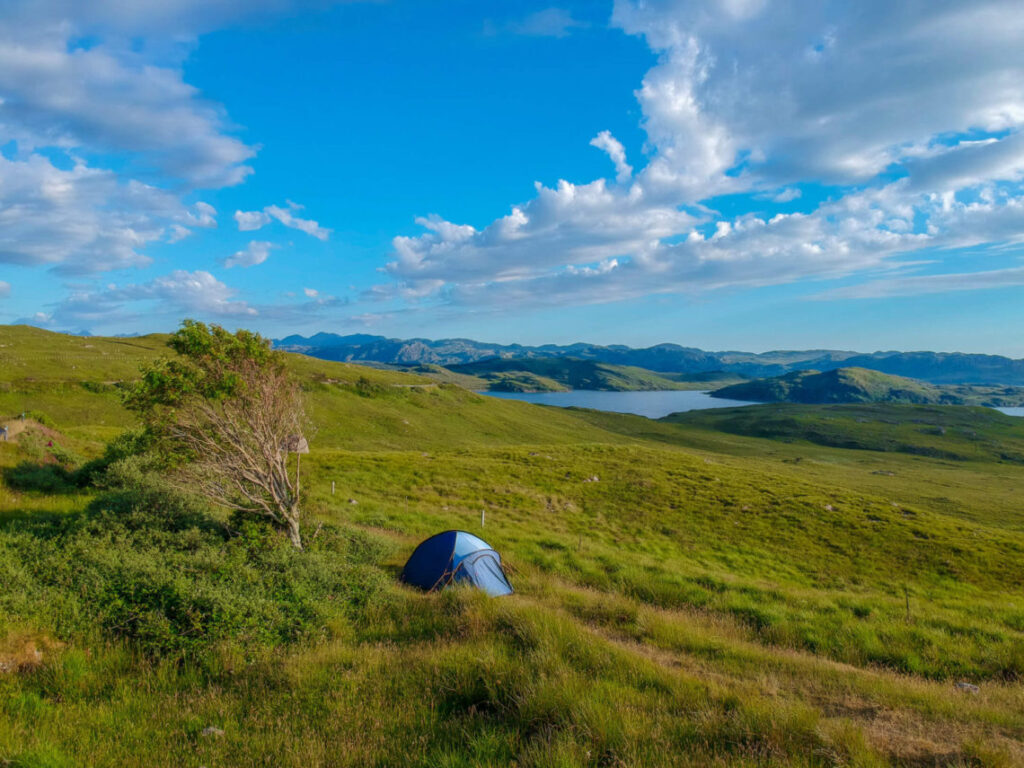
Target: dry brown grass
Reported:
[(24, 651)]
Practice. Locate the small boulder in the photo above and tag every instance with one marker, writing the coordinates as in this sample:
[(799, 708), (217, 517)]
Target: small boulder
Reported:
[(968, 687), (212, 730), (352, 501)]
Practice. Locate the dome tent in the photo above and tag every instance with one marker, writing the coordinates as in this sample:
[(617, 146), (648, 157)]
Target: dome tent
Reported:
[(459, 557)]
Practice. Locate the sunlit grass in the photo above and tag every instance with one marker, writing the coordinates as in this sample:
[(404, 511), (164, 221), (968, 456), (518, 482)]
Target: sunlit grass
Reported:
[(708, 600)]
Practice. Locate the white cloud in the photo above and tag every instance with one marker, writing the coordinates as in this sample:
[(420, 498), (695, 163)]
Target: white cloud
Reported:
[(550, 22), (249, 221), (613, 147), (764, 85), (174, 19), (84, 219), (569, 224), (164, 300), (111, 99), (311, 293), (912, 112), (174, 295), (255, 253), (917, 285), (786, 195), (66, 106), (5, 289)]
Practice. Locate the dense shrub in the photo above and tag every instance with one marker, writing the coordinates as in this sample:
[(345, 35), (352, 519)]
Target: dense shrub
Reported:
[(147, 564), (44, 478), (132, 442)]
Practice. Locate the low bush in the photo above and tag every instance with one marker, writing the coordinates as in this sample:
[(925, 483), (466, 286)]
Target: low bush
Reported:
[(147, 564), (42, 478)]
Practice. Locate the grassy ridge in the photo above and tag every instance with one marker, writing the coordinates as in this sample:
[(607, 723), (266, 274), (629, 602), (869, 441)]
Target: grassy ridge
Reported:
[(724, 592), (860, 385), (553, 374), (943, 432)]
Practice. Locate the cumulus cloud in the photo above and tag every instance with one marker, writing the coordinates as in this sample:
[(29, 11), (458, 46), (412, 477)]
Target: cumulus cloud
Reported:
[(166, 299), (176, 294), (67, 106), (255, 253), (787, 93), (249, 221), (568, 224), (109, 99), (912, 114), (311, 293), (84, 219), (613, 147)]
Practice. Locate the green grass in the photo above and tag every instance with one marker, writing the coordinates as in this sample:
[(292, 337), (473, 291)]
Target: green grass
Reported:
[(551, 374), (956, 433), (860, 385), (731, 590)]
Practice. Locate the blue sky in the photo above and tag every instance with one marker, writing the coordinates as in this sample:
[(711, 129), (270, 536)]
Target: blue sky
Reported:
[(728, 174)]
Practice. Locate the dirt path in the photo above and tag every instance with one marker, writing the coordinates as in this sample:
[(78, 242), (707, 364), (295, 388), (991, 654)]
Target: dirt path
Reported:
[(15, 426)]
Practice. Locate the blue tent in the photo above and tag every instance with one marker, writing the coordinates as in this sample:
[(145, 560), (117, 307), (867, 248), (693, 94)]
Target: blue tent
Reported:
[(460, 557)]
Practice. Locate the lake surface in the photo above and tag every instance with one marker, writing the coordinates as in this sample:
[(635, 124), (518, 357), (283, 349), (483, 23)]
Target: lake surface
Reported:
[(653, 405)]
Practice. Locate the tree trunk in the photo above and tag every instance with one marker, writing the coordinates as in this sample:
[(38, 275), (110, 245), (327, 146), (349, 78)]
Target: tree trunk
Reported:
[(293, 529)]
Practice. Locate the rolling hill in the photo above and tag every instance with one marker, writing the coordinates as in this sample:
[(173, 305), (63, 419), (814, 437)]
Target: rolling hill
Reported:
[(715, 588), (559, 373), (859, 385)]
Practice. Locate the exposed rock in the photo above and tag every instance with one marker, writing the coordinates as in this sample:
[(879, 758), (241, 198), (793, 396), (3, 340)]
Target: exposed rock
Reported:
[(592, 479), (352, 501), (968, 687), (211, 730)]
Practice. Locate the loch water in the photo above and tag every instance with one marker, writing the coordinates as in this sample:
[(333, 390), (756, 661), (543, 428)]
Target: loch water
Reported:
[(652, 404)]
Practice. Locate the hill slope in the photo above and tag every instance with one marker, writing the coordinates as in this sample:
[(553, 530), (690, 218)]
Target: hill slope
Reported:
[(859, 385), (686, 593), (553, 374)]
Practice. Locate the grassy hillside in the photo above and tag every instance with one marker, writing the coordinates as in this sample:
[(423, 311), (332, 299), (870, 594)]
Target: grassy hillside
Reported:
[(558, 374), (859, 385), (30, 354), (689, 591), (944, 432)]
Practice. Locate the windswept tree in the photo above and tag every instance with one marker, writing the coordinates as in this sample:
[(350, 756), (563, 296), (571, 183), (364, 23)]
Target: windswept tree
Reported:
[(227, 414)]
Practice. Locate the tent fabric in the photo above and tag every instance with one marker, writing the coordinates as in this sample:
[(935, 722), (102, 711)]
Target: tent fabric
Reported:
[(456, 557)]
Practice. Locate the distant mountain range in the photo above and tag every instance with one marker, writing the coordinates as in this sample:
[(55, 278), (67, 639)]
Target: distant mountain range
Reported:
[(934, 367)]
